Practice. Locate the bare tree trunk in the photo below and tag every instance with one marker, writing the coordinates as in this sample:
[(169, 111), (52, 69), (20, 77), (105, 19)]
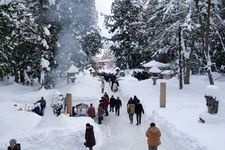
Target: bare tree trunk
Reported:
[(207, 45), (205, 38), (188, 64), (16, 74), (180, 60)]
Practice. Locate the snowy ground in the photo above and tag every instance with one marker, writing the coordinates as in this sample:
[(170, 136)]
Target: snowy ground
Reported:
[(178, 121)]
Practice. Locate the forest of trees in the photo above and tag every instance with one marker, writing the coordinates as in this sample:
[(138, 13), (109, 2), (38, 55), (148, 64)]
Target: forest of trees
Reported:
[(187, 33), (32, 30), (162, 29)]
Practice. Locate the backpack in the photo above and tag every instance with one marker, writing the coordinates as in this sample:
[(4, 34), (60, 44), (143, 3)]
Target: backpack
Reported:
[(131, 108)]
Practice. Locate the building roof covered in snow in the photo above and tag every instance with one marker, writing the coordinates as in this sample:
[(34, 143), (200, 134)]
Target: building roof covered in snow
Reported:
[(154, 70), (73, 69)]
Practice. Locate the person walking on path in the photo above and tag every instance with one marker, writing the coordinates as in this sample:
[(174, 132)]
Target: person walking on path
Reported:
[(131, 109), (13, 145), (106, 94), (130, 101), (118, 104), (100, 112), (42, 102), (153, 134), (105, 101), (91, 111), (138, 110), (135, 99), (102, 85), (89, 136), (112, 103)]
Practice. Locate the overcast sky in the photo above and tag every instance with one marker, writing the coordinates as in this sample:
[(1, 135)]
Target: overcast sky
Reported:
[(103, 6)]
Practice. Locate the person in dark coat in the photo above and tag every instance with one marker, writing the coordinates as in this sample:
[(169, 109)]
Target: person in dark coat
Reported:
[(37, 110), (42, 102), (135, 99), (13, 145), (139, 110), (89, 136), (100, 112), (118, 104), (130, 101), (112, 103)]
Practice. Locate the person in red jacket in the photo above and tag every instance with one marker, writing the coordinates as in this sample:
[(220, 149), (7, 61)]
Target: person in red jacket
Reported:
[(105, 103), (91, 111), (153, 134)]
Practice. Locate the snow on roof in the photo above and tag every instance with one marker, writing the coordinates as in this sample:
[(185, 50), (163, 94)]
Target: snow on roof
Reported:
[(167, 72), (154, 70), (212, 90), (117, 68), (154, 63), (72, 69)]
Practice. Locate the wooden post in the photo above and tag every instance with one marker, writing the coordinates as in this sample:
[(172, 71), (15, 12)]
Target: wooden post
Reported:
[(162, 94), (69, 103)]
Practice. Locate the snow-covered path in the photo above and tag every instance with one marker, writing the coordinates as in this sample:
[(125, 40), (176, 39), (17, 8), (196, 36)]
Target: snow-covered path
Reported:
[(116, 133), (120, 133)]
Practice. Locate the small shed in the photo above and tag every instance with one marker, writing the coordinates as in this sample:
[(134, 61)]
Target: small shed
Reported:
[(71, 72), (81, 109)]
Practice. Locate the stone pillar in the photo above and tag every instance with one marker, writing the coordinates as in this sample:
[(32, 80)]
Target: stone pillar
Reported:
[(69, 103), (162, 94)]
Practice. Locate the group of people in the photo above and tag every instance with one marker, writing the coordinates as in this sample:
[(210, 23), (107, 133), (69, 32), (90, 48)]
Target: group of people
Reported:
[(105, 103), (113, 83), (114, 104), (153, 135), (135, 107)]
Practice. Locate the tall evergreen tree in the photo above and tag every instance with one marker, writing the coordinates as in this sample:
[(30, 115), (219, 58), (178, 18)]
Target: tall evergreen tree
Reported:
[(24, 42), (126, 22), (78, 22)]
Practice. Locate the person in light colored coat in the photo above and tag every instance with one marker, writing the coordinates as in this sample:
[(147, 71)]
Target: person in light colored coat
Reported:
[(153, 134), (91, 111)]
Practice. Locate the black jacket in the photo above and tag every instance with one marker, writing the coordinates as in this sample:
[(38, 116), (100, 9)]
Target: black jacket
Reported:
[(112, 101), (118, 103), (139, 108), (16, 147), (90, 137)]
